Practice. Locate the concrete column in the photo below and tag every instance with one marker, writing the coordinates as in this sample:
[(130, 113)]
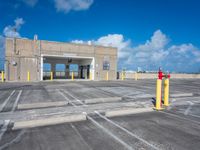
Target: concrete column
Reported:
[(41, 68)]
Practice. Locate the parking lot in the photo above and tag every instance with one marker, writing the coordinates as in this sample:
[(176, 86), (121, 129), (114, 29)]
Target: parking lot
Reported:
[(103, 114)]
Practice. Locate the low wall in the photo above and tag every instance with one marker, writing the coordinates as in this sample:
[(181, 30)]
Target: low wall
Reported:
[(154, 76)]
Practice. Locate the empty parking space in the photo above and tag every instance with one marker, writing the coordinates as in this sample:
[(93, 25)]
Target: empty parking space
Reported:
[(41, 116)]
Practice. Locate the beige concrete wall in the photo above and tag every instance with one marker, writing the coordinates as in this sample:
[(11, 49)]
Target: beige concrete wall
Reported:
[(27, 54), (154, 76)]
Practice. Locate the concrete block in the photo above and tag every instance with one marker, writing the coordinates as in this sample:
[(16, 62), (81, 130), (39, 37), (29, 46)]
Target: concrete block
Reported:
[(102, 100), (127, 111), (48, 121), (41, 105), (181, 95)]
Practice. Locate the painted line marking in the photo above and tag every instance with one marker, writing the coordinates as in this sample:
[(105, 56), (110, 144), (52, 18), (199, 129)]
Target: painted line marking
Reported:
[(79, 101), (194, 115), (6, 101), (77, 132), (4, 128), (66, 98), (13, 141), (16, 101), (127, 131), (113, 123), (183, 118), (103, 128), (109, 133), (189, 108)]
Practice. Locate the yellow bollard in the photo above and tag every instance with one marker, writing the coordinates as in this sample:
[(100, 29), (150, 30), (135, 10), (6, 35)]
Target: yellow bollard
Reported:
[(136, 76), (2, 76), (107, 76), (51, 78), (158, 94), (28, 76), (90, 75), (122, 75), (166, 92), (72, 76)]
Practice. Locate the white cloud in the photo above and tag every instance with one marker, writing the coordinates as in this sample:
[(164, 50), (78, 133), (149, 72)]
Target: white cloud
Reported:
[(10, 31), (112, 40), (153, 53), (31, 3), (13, 31), (115, 40), (69, 5), (149, 55)]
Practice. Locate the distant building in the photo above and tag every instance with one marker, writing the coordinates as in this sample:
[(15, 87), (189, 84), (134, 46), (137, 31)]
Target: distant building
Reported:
[(25, 55)]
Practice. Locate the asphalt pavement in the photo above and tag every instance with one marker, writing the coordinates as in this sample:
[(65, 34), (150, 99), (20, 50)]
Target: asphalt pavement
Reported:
[(177, 127)]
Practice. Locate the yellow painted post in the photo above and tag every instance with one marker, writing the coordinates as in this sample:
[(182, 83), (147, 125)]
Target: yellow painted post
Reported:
[(90, 75), (158, 94), (72, 76), (136, 76), (28, 76), (166, 92), (51, 78), (122, 75), (107, 76), (2, 76)]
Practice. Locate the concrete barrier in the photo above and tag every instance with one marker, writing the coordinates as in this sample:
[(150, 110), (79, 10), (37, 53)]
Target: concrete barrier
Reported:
[(102, 100), (41, 105), (127, 111), (131, 75), (48, 121), (181, 95)]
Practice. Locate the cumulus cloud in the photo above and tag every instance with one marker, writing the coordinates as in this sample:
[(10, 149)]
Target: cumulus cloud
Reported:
[(112, 40), (154, 53), (12, 31), (69, 5), (9, 31)]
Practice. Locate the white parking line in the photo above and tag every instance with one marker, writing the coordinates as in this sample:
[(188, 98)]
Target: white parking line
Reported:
[(17, 138), (194, 115), (127, 131), (110, 133), (113, 123), (81, 137), (75, 98), (6, 101), (177, 116), (16, 101), (97, 124), (4, 128), (66, 98), (189, 108)]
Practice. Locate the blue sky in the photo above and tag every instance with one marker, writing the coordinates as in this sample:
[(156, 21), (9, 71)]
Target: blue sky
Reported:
[(147, 33)]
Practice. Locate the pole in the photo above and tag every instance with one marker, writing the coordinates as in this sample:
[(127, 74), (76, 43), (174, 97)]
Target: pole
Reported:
[(158, 94), (28, 76), (107, 76), (136, 76), (166, 92), (122, 75), (72, 76), (2, 76), (51, 78)]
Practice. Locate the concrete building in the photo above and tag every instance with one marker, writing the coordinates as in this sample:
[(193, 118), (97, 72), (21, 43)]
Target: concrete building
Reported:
[(25, 55)]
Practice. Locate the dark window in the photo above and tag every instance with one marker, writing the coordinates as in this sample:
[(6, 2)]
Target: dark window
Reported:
[(106, 63)]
